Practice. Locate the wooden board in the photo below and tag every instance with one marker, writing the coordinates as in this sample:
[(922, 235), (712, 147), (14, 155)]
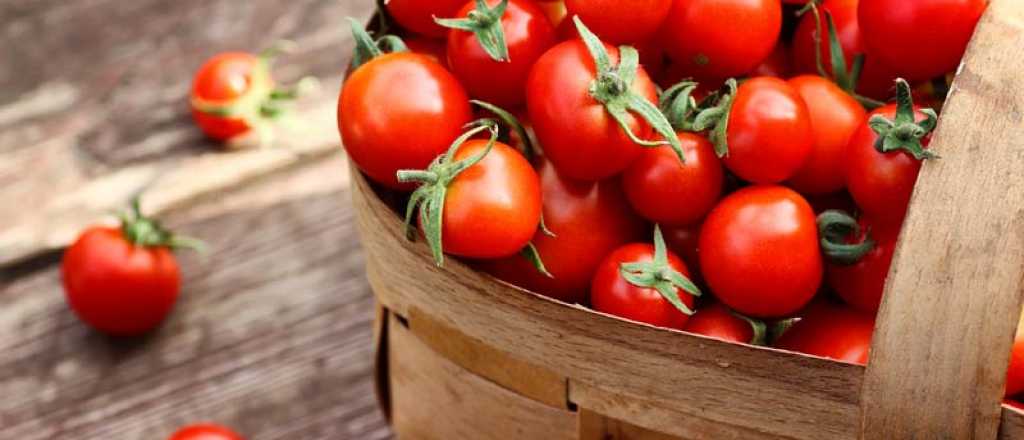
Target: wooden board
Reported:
[(940, 351)]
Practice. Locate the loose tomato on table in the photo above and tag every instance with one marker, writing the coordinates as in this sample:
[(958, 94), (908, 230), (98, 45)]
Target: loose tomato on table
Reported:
[(859, 255), (205, 431), (123, 281), (717, 321), (621, 22), (418, 15), (386, 128), (664, 190), (588, 221), (833, 332), (759, 252), (834, 116), (492, 49), (645, 283)]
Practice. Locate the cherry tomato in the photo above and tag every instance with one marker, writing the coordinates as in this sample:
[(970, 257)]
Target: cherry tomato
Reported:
[(832, 332), (205, 431), (664, 190), (222, 81), (716, 39), (919, 39), (528, 34), (717, 321), (759, 252), (589, 221), (578, 135), (769, 133), (611, 293), (1015, 373), (418, 15), (835, 115), (861, 285), (619, 22), (778, 64), (387, 128), (435, 49), (683, 240), (555, 10)]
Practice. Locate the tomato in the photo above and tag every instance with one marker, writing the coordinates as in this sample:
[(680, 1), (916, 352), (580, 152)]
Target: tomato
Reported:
[(832, 332), (205, 431), (619, 22), (528, 34), (122, 281), (778, 63), (769, 133), (919, 39), (1015, 372), (435, 49), (418, 15), (589, 220), (834, 116), (717, 321), (222, 81), (386, 128), (759, 252), (555, 10), (861, 284), (611, 292), (683, 240), (716, 39), (580, 138), (664, 190)]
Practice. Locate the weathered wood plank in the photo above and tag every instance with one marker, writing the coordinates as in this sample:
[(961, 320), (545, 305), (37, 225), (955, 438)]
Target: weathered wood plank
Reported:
[(953, 298)]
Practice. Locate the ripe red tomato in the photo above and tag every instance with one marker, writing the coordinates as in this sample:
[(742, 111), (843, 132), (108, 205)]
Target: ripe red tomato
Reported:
[(205, 431), (387, 128), (589, 220), (418, 15), (611, 293), (435, 49), (769, 133), (222, 81), (832, 332), (619, 22), (919, 39), (666, 191), (716, 39), (528, 34), (1015, 373), (717, 321), (861, 284), (759, 252), (778, 64), (683, 240), (116, 286), (579, 136), (834, 115)]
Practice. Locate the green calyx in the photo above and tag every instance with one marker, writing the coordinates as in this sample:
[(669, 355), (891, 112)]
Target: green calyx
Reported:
[(510, 123), (613, 88), (779, 328), (903, 132), (146, 232), (834, 229), (485, 23), (660, 276), (846, 77), (759, 327), (430, 196), (679, 106), (367, 48), (713, 116)]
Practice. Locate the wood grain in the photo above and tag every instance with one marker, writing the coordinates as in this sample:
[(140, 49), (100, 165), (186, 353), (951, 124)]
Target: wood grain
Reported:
[(942, 343), (1012, 425)]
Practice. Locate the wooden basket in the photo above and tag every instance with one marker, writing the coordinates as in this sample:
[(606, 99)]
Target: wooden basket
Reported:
[(464, 356)]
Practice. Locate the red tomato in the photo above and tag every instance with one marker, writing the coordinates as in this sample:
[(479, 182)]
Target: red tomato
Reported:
[(116, 286), (919, 39), (666, 191), (387, 128), (619, 22), (717, 321), (832, 332), (435, 49), (835, 115), (683, 240), (778, 63), (418, 15), (1015, 373), (861, 285), (578, 135), (769, 134), (555, 10), (840, 201), (716, 39), (759, 252), (589, 221), (205, 431), (223, 80), (611, 293), (528, 34)]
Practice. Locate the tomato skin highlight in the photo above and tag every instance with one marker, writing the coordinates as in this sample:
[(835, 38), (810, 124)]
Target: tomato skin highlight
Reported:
[(665, 191), (919, 39), (385, 128), (528, 34), (833, 332), (578, 135), (589, 220), (618, 22), (769, 133), (493, 208), (116, 287), (759, 252), (717, 321), (715, 39), (834, 116), (223, 79), (612, 294), (418, 15), (205, 431)]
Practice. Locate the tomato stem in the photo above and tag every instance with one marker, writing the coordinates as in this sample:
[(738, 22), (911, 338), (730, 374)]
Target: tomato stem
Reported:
[(367, 48), (146, 232), (485, 23), (834, 229), (660, 276), (528, 149), (715, 117), (533, 256), (903, 132), (759, 327)]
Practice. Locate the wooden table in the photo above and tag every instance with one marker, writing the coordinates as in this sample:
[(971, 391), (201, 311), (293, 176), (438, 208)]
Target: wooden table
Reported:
[(272, 334)]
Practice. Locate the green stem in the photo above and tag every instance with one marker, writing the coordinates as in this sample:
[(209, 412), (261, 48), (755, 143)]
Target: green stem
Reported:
[(485, 23), (147, 232), (660, 276), (904, 132), (835, 227), (367, 48)]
